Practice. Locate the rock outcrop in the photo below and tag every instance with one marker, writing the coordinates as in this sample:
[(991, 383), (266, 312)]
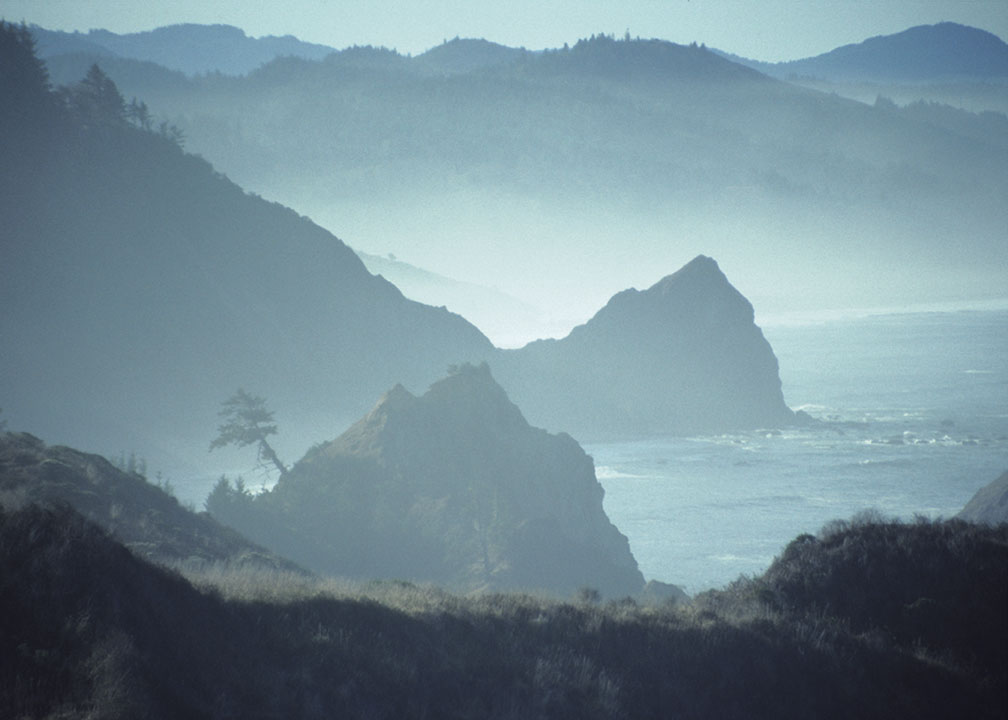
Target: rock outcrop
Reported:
[(683, 357), (989, 505), (452, 487)]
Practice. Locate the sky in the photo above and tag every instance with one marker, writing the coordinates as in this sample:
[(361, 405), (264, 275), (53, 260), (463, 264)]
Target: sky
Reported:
[(770, 30)]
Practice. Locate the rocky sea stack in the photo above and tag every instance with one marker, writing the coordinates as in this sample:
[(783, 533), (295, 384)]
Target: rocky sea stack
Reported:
[(682, 357), (453, 487)]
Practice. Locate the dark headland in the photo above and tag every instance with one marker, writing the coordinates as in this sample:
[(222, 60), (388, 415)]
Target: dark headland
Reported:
[(682, 357), (453, 487)]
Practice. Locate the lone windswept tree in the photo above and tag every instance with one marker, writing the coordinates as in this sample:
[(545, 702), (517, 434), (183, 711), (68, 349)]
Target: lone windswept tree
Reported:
[(247, 421)]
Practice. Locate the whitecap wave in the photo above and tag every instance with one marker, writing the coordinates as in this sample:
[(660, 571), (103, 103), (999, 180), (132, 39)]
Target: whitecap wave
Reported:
[(749, 559), (606, 472)]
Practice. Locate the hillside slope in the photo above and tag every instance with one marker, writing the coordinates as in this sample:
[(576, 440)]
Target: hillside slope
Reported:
[(504, 318), (140, 287)]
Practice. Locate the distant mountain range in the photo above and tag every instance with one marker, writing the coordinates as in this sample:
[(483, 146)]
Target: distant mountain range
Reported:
[(925, 53), (200, 49), (609, 162), (465, 55), (946, 51), (188, 48)]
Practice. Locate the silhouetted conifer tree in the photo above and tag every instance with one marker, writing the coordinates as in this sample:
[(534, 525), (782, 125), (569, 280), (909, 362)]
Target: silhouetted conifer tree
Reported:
[(22, 74), (97, 101), (25, 90), (248, 422), (139, 114)]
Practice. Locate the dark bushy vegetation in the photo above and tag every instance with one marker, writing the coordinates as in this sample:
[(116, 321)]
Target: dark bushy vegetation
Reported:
[(90, 629), (908, 582)]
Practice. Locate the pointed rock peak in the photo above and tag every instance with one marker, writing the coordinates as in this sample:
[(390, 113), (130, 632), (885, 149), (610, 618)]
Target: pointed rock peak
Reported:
[(700, 283), (697, 295), (701, 262), (393, 401), (363, 437), (398, 394), (467, 404), (700, 268)]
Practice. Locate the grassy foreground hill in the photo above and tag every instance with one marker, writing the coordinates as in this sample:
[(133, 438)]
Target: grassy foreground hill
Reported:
[(827, 632)]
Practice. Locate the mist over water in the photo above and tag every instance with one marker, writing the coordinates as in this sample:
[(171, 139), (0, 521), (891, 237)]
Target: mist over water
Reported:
[(915, 420), (562, 260), (534, 190), (917, 411), (561, 178)]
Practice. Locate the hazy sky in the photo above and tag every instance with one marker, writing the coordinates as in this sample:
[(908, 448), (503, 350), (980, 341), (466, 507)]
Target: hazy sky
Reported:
[(759, 29)]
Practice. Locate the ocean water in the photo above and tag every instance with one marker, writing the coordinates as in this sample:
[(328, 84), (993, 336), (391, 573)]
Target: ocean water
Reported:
[(915, 420)]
